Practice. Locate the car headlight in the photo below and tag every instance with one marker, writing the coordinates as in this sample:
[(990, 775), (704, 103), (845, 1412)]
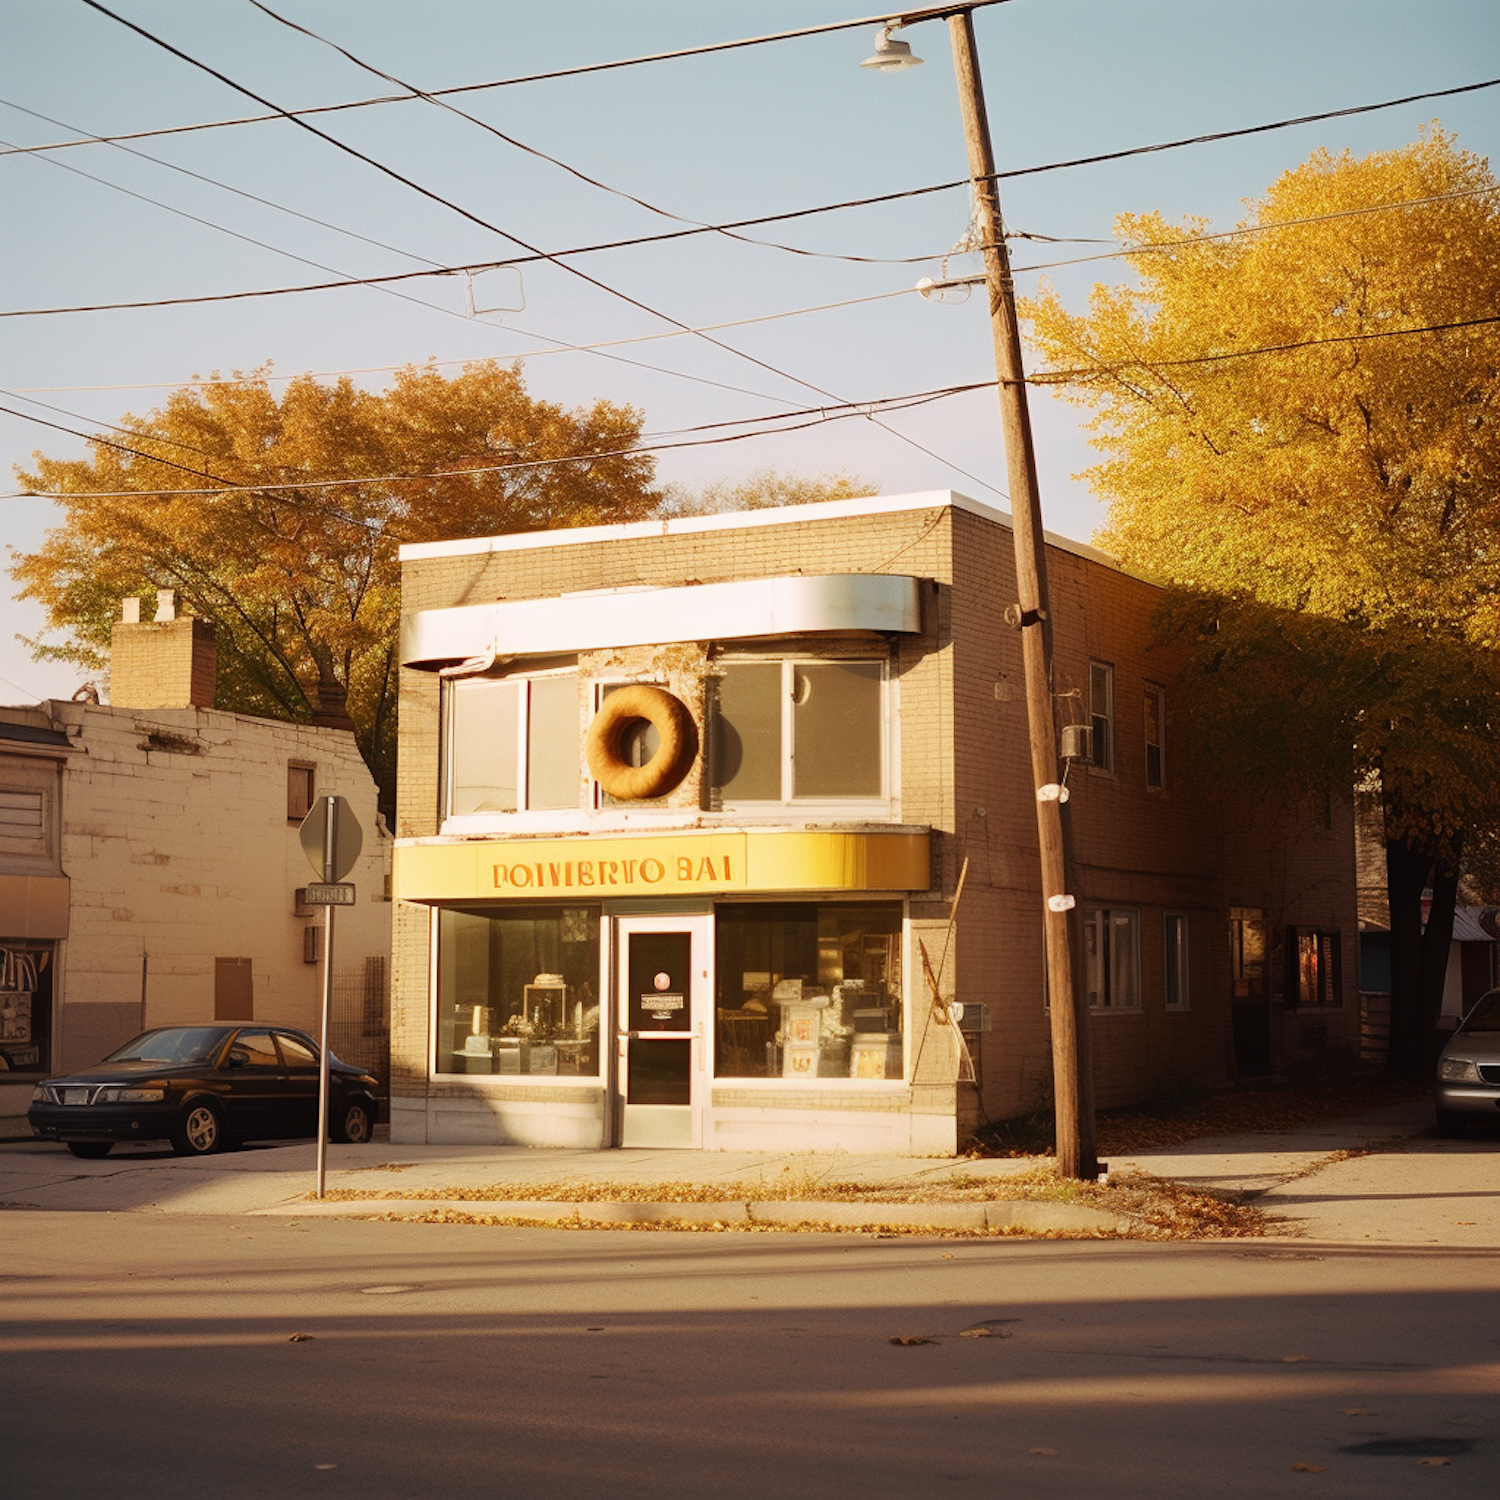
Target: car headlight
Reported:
[(1458, 1070), (41, 1094), (119, 1094)]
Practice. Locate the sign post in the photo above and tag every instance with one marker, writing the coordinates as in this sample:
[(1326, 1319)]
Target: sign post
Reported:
[(331, 839)]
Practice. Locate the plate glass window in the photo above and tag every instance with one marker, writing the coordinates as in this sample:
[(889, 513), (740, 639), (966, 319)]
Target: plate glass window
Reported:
[(1112, 954), (808, 992), (1102, 713), (518, 991)]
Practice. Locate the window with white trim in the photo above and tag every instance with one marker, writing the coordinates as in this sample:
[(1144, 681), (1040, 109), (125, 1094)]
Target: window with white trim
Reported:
[(1112, 957), (1102, 714), (514, 744), (795, 730), (1175, 961)]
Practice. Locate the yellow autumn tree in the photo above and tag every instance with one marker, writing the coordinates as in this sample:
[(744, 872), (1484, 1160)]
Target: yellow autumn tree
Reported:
[(1299, 428), (279, 520)]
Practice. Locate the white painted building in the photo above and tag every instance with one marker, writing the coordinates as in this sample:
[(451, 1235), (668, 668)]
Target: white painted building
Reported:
[(149, 865)]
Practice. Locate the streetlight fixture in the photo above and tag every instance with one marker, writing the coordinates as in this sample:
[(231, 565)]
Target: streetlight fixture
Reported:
[(891, 53), (1072, 1069)]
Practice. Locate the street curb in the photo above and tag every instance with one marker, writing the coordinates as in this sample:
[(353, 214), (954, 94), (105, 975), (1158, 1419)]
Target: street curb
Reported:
[(1019, 1214)]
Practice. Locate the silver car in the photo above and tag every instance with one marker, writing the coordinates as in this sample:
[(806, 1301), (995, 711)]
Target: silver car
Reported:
[(1468, 1072)]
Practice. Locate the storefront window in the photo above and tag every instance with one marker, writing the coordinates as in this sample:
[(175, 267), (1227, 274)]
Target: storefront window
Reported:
[(833, 748), (808, 991), (513, 744), (25, 1007), (518, 991)]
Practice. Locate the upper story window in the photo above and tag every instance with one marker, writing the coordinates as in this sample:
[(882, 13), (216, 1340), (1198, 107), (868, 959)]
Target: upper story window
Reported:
[(1156, 737), (800, 731), (300, 778), (1102, 714), (513, 744)]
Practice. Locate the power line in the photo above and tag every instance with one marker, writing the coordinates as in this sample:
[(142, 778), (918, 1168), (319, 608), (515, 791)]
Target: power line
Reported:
[(1081, 372), (908, 17), (1191, 241), (378, 283), (515, 239), (475, 268), (520, 145), (172, 166), (911, 17), (792, 421)]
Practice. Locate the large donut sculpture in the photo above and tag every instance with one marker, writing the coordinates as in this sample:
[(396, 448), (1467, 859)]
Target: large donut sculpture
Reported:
[(604, 745)]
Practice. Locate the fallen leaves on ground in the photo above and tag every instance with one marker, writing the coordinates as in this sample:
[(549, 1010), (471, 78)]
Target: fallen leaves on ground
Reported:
[(1157, 1207), (1434, 1463), (1126, 1131), (1307, 1468), (912, 1338), (300, 1338)]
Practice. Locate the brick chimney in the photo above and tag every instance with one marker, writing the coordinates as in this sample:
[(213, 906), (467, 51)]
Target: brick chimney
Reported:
[(169, 662)]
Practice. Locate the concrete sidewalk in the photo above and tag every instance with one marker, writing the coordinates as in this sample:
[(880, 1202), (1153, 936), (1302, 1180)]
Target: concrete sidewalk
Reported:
[(1424, 1191)]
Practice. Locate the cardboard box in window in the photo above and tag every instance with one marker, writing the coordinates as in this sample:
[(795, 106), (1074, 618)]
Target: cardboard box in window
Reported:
[(801, 1022), (875, 1055), (800, 1059)]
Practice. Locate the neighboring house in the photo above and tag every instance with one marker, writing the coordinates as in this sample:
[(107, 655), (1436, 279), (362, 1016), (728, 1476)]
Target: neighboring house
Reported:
[(723, 946), (149, 860)]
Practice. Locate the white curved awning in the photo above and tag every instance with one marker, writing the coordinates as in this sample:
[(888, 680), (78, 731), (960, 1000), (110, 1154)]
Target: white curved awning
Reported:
[(797, 605)]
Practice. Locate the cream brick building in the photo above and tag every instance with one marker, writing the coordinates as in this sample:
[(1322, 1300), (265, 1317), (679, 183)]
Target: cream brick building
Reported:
[(149, 860), (735, 958)]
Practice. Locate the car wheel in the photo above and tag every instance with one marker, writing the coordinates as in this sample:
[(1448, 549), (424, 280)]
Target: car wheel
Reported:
[(90, 1150), (1450, 1126), (199, 1131), (354, 1123)]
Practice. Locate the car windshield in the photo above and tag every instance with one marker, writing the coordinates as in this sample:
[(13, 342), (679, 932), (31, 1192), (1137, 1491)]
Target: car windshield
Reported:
[(1486, 1014), (171, 1044)]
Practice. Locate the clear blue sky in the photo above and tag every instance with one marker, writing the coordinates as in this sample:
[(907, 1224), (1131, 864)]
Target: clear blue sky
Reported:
[(725, 136)]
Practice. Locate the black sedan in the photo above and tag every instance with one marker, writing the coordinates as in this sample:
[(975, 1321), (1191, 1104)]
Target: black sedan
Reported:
[(204, 1088)]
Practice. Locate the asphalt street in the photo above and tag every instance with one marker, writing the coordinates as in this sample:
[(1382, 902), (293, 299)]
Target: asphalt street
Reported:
[(252, 1356)]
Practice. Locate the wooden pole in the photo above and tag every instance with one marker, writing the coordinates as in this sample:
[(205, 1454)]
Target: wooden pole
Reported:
[(1071, 1068)]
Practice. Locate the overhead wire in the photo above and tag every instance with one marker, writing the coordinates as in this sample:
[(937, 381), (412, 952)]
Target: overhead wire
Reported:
[(506, 234), (476, 268), (786, 421), (378, 283), (1111, 367), (572, 171), (908, 18)]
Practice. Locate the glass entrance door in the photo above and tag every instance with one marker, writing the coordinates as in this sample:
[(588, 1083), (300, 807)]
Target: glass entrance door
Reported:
[(665, 965)]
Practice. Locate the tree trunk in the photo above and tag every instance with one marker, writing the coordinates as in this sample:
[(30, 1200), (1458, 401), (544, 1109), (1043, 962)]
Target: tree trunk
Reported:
[(1406, 876), (1419, 951)]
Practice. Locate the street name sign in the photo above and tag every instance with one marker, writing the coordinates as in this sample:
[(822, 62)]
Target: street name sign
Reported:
[(330, 893)]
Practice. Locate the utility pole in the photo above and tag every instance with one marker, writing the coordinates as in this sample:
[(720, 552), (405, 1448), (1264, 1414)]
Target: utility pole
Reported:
[(1072, 1071)]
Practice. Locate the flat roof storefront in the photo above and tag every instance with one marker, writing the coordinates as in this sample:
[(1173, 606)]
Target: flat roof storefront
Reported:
[(718, 989)]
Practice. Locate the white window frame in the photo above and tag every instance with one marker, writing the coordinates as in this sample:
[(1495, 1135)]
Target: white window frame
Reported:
[(882, 808), (523, 816), (1103, 757), (1159, 693), (1177, 958), (1101, 917)]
